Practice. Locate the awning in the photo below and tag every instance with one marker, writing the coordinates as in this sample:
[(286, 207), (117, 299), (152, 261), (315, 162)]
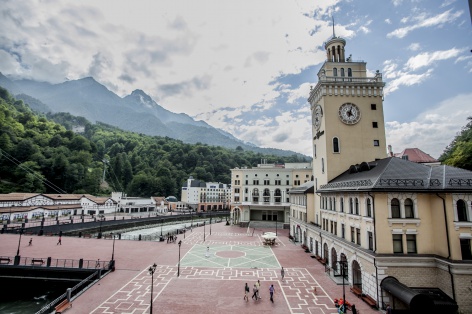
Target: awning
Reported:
[(425, 300)]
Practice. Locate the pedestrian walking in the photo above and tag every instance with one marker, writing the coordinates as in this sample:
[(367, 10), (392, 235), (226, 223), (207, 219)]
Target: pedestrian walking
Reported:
[(282, 273), (254, 290), (30, 243), (246, 291), (271, 291), (59, 242), (207, 254), (258, 286)]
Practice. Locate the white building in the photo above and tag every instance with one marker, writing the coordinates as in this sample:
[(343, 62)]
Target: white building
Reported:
[(261, 193), (206, 196)]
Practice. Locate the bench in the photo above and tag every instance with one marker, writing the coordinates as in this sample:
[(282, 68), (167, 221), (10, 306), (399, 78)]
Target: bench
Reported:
[(87, 235), (5, 260), (64, 305), (356, 291), (367, 299), (37, 261), (323, 261)]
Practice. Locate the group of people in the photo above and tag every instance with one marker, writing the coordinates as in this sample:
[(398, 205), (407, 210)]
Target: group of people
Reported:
[(255, 290), (171, 238)]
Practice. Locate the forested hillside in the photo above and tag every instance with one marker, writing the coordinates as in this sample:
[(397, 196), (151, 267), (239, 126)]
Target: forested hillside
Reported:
[(459, 152), (42, 154)]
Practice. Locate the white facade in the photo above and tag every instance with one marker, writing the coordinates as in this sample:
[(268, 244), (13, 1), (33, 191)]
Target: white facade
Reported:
[(261, 193)]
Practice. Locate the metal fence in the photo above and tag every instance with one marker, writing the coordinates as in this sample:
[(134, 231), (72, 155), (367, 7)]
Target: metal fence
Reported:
[(50, 262)]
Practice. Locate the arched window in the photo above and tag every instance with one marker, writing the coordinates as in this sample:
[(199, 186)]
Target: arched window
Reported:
[(351, 210), (266, 195), (335, 72), (395, 208), (461, 211), (409, 211), (369, 207), (255, 195), (349, 72), (335, 145), (357, 206), (342, 71), (278, 196)]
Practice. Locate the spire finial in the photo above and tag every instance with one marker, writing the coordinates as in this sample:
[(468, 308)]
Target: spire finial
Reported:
[(334, 34)]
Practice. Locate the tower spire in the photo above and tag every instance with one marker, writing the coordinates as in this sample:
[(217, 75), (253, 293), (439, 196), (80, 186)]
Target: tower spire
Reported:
[(334, 34)]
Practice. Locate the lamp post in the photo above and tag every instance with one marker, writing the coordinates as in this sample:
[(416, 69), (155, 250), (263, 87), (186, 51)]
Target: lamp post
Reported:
[(276, 224), (17, 257), (100, 231), (112, 262), (343, 265), (162, 221), (211, 214), (178, 266), (204, 230), (151, 270)]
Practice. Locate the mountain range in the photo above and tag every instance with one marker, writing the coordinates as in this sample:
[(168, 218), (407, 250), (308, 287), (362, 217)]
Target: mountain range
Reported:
[(136, 112)]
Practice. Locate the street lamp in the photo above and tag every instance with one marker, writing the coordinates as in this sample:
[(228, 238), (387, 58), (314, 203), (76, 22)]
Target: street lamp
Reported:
[(211, 214), (100, 231), (178, 266), (112, 262), (204, 230), (151, 271), (162, 221), (343, 265), (17, 257), (276, 224)]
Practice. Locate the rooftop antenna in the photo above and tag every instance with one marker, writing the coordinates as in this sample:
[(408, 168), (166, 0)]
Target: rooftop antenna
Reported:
[(334, 34)]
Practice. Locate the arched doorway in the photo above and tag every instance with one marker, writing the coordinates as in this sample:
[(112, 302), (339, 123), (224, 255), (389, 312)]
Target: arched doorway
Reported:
[(334, 260), (326, 253), (304, 238), (344, 266), (356, 275), (236, 215)]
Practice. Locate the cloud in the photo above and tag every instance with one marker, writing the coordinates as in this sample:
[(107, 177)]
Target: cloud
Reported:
[(422, 22), (426, 58), (432, 130), (414, 47)]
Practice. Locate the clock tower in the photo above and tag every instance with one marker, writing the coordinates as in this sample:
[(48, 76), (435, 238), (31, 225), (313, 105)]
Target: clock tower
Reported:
[(347, 114)]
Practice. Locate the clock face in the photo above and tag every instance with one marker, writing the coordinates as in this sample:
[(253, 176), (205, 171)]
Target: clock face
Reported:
[(317, 115), (349, 113)]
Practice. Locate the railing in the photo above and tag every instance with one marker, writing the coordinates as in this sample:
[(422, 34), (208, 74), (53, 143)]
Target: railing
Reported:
[(57, 263), (65, 295)]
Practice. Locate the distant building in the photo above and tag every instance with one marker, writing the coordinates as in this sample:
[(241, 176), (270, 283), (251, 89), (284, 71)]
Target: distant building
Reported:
[(415, 155), (260, 194), (133, 204), (15, 206), (162, 205), (206, 196)]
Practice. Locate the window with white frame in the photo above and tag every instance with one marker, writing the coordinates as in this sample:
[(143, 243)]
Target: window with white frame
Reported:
[(461, 207), (368, 207), (409, 210), (395, 208)]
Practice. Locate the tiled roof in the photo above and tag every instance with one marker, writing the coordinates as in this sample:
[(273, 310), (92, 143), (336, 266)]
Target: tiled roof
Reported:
[(307, 187), (416, 155), (17, 209), (395, 174), (17, 196)]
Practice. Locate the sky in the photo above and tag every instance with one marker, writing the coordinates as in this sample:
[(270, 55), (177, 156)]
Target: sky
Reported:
[(247, 66)]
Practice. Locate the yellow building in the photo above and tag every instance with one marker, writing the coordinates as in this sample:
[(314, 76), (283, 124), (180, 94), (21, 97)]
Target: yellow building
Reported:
[(398, 232)]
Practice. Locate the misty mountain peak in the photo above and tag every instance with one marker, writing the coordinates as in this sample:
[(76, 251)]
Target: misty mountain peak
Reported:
[(143, 98)]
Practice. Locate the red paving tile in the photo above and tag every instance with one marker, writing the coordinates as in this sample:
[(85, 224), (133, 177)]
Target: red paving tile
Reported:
[(198, 289)]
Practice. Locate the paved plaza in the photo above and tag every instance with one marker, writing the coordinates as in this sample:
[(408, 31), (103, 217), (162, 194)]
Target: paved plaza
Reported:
[(210, 281)]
